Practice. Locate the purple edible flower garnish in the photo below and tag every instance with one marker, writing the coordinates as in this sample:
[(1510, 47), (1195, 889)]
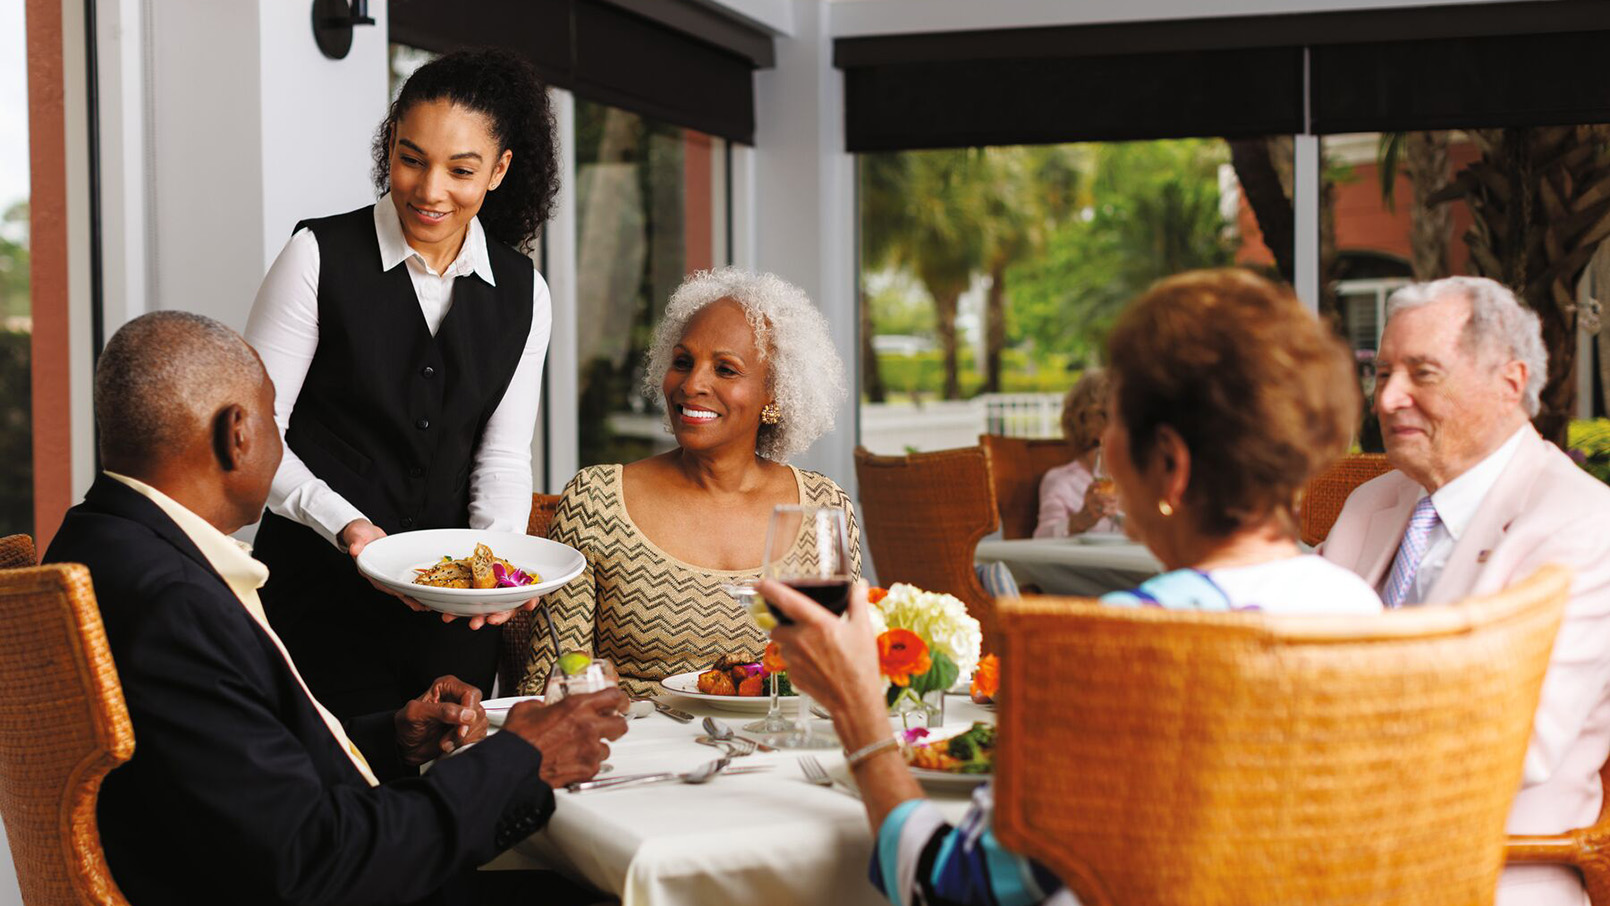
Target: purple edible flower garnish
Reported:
[(510, 578), (914, 733)]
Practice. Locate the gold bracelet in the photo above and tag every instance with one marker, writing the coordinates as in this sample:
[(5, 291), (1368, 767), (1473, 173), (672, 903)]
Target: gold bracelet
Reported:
[(856, 758)]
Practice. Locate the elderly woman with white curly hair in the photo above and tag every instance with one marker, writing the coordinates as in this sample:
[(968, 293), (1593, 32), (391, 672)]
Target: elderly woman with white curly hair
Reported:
[(749, 377)]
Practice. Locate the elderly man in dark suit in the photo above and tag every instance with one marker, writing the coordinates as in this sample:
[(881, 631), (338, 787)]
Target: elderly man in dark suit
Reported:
[(243, 788)]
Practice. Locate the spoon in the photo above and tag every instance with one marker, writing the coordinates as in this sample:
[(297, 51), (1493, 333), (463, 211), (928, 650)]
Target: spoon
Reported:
[(721, 731), (734, 747), (701, 774)]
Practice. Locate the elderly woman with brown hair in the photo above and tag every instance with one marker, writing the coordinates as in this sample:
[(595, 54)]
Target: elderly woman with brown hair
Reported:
[(749, 377), (1227, 395), (1072, 502)]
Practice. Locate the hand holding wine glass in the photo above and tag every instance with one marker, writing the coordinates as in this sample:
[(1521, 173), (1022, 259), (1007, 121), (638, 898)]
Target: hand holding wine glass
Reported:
[(807, 549)]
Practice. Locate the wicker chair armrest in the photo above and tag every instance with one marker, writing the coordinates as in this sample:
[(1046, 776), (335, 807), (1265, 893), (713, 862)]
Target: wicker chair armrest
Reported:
[(1560, 849)]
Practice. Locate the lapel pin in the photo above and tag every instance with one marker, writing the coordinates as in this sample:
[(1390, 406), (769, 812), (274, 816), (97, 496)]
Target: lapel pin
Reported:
[(1482, 557)]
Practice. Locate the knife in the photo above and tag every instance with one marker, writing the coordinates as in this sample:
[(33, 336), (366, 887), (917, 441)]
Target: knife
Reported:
[(676, 714)]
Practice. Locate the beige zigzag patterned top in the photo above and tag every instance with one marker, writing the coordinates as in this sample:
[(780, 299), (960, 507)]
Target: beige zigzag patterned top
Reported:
[(652, 614)]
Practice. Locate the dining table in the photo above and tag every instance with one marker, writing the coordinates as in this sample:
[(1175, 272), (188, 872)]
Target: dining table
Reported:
[(770, 837), (1085, 566)]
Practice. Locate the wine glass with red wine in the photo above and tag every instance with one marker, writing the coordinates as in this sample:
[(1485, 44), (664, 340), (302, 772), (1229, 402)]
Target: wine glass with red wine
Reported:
[(808, 549)]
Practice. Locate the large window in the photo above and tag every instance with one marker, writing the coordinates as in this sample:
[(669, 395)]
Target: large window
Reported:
[(990, 277), (16, 324), (650, 209)]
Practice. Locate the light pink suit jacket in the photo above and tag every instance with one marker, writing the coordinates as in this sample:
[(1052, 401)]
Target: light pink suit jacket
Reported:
[(1543, 509)]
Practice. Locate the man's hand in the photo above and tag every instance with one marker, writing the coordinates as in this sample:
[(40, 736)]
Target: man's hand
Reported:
[(447, 716), (355, 536), (572, 734)]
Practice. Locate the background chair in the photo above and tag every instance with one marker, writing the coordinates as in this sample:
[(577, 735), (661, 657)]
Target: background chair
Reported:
[(53, 649), (17, 551), (1179, 757), (1016, 466), (515, 642), (924, 513), (1325, 493), (1586, 849)]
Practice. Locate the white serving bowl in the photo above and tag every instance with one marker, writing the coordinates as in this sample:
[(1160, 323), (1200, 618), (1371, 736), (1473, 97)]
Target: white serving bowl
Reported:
[(391, 561)]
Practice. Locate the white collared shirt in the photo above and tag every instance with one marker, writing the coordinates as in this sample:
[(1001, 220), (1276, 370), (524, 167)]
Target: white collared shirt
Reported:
[(284, 329), (1457, 503), (233, 561)]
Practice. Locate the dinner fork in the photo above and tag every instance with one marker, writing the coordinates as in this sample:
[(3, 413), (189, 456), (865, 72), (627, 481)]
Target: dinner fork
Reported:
[(815, 773)]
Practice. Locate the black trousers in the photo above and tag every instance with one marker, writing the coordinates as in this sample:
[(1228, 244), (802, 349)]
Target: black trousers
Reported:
[(359, 650)]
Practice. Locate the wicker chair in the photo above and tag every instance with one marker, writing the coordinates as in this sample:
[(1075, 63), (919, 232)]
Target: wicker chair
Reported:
[(516, 638), (17, 551), (54, 650), (1326, 492), (1179, 757), (1587, 849), (924, 514), (1016, 466)]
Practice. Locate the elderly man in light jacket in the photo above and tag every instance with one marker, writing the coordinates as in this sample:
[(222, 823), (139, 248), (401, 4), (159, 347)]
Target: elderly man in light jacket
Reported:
[(1480, 501)]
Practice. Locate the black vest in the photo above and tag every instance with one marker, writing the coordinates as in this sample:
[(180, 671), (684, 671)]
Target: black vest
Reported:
[(389, 416)]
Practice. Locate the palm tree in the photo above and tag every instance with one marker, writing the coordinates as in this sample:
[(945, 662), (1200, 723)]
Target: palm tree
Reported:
[(1423, 158), (1541, 201), (884, 222)]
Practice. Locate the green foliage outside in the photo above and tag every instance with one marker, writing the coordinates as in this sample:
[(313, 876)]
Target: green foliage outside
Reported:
[(14, 298), (16, 403), (1589, 445), (922, 375), (1068, 235)]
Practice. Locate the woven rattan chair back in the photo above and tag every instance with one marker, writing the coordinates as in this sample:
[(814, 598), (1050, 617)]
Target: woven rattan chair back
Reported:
[(1164, 757), (53, 649), (515, 642), (924, 513), (17, 551), (1016, 466), (1325, 493), (1587, 849)]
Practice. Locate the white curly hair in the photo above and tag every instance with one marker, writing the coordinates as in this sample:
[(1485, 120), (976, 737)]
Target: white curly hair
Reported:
[(806, 375)]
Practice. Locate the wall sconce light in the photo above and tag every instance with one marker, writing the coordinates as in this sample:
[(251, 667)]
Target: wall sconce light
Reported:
[(333, 21)]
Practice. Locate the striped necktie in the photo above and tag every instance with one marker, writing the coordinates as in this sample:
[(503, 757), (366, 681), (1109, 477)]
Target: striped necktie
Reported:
[(1410, 553)]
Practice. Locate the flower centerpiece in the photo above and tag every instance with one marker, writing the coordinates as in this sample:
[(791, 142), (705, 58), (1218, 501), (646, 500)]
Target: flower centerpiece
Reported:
[(926, 642)]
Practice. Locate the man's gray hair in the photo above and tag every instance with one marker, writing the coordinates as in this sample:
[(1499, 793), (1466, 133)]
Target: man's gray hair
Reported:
[(162, 378), (807, 375), (1499, 324)]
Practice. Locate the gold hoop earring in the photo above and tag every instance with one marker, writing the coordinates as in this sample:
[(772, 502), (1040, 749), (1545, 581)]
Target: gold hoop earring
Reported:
[(770, 414), (1164, 508)]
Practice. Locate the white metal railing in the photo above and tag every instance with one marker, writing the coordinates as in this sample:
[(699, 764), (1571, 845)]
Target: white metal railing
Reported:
[(1022, 414)]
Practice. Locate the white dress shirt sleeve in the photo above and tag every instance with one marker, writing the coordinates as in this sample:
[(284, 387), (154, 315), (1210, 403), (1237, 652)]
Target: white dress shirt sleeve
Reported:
[(284, 329), (500, 479)]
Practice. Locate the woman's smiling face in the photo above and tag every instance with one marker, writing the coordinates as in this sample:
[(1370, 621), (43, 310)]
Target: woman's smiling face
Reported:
[(716, 385), (444, 159)]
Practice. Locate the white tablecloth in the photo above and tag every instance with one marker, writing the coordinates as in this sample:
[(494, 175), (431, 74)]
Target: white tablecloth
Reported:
[(747, 840), (1066, 566)]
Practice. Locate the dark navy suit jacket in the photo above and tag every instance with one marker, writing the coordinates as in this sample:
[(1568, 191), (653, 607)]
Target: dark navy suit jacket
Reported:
[(237, 791)]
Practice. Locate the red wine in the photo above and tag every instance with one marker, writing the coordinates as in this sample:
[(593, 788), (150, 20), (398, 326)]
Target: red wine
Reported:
[(834, 594)]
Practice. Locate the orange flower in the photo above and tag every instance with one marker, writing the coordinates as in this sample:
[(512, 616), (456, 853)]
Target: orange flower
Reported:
[(902, 654), (772, 660), (986, 679), (876, 594)]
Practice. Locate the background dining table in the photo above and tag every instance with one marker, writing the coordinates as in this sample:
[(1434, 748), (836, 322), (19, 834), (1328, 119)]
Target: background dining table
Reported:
[(1076, 566), (766, 838)]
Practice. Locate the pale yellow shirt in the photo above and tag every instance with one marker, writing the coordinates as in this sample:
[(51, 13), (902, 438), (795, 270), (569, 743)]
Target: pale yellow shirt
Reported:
[(233, 561)]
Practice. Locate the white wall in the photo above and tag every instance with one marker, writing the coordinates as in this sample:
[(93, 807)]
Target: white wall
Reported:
[(802, 200)]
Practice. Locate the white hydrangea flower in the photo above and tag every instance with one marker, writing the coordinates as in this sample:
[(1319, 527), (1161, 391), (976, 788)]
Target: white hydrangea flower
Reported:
[(940, 619)]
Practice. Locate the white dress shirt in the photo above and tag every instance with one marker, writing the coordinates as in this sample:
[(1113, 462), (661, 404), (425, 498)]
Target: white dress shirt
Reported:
[(284, 329), (1456, 503)]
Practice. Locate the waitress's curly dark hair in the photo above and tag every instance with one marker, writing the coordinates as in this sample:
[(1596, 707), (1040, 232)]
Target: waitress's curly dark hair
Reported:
[(504, 88)]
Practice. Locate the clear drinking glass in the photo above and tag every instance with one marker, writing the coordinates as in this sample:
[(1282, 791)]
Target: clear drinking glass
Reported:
[(598, 675), (774, 722), (820, 570), (1104, 484)]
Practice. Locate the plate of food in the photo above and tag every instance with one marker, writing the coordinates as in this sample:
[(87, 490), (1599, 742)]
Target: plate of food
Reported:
[(469, 571), (959, 761), (732, 683)]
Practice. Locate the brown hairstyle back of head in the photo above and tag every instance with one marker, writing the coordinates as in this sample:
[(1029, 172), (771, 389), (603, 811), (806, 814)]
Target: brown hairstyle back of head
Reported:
[(1261, 392), (1084, 411)]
